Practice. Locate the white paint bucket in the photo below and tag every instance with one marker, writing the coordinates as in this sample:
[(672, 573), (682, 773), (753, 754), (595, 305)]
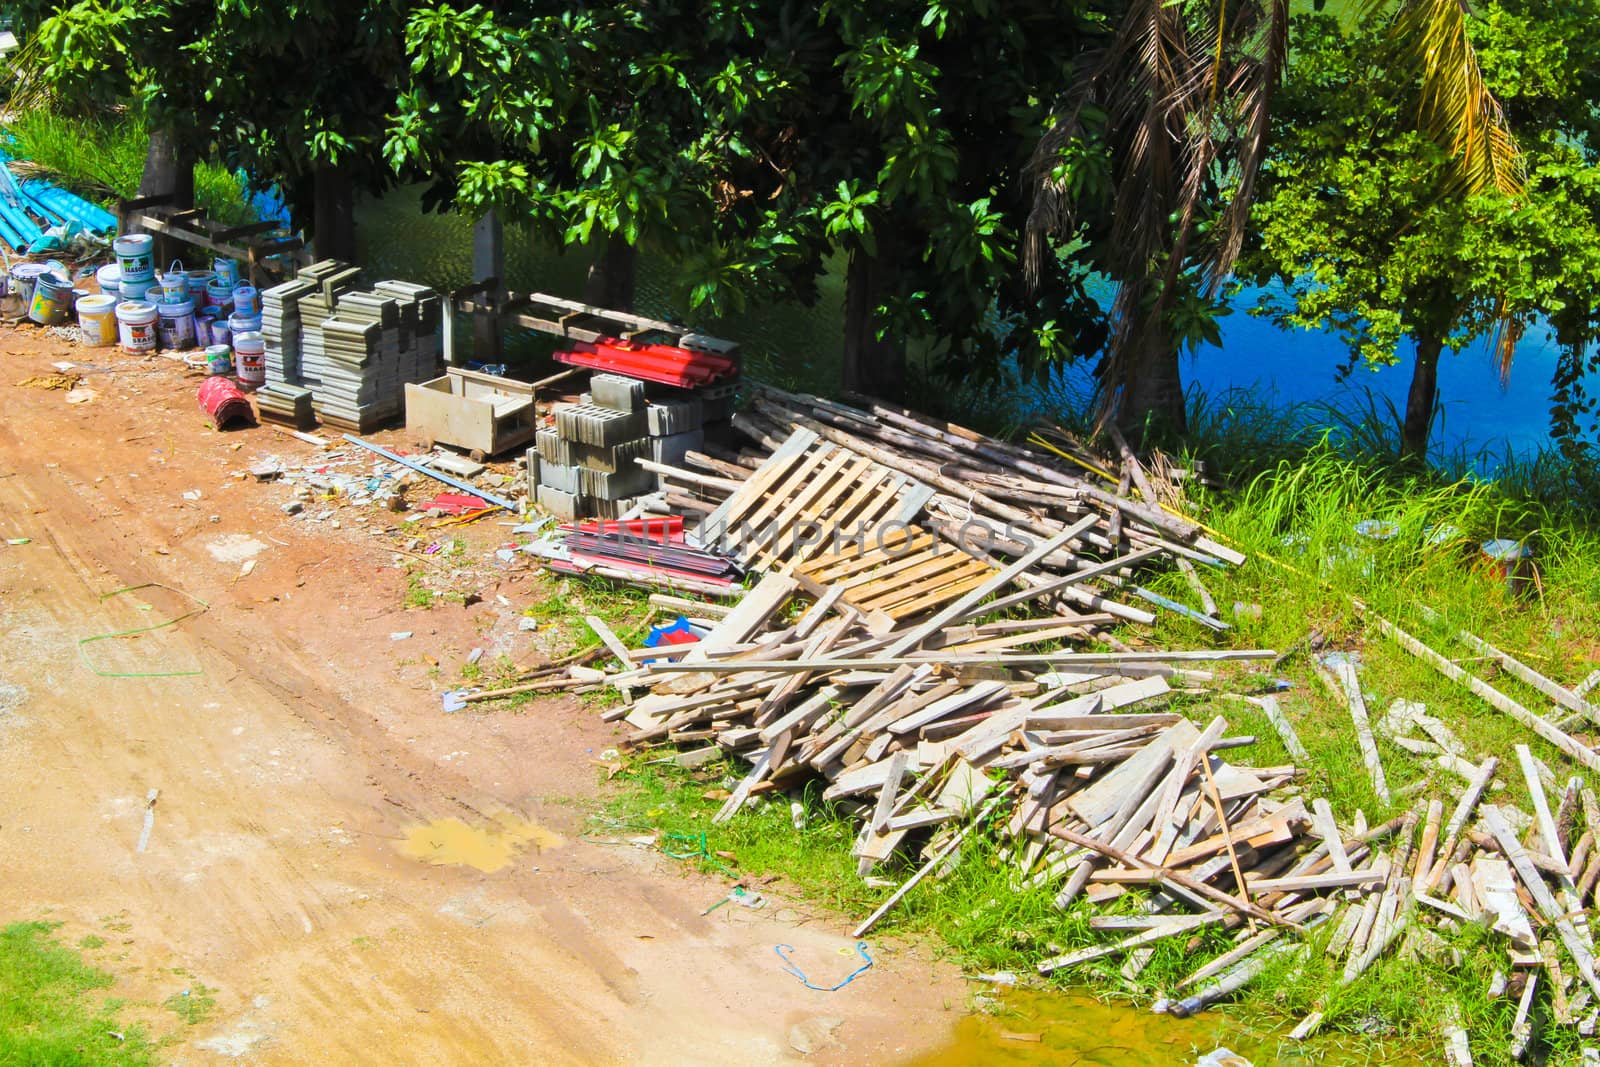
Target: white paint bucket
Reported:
[(250, 352), (227, 271), (136, 321), (175, 327), (246, 300), (110, 279), (134, 256), (219, 359), (219, 295), (52, 300), (174, 284), (221, 333), (198, 281), (24, 276), (97, 320), (240, 323), (135, 289)]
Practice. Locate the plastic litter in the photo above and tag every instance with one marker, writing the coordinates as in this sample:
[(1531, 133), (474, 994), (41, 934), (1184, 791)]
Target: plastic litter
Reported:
[(788, 965)]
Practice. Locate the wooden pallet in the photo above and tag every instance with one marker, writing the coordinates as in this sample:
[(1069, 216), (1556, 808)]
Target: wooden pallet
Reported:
[(908, 573), (806, 499)]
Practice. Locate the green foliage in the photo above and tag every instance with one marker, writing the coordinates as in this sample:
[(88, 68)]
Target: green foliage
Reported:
[(48, 1014), (1361, 218), (193, 1005)]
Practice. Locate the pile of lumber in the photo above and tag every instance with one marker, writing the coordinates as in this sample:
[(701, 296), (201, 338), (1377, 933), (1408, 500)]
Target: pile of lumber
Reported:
[(923, 645)]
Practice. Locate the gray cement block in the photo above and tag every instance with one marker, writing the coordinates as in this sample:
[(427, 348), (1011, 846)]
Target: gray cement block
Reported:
[(552, 448), (566, 506), (667, 417), (617, 391), (673, 449), (609, 458), (624, 483), (559, 476)]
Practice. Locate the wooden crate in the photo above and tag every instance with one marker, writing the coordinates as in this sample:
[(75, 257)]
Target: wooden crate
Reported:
[(473, 411)]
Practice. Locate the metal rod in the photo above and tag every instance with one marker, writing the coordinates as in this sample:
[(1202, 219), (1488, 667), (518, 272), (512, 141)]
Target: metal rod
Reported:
[(465, 487)]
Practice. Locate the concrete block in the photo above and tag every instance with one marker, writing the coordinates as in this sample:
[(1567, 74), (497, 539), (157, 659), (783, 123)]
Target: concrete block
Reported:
[(566, 506), (552, 449), (609, 458), (559, 476), (460, 466), (617, 391), (667, 417), (623, 483), (672, 449), (593, 425)]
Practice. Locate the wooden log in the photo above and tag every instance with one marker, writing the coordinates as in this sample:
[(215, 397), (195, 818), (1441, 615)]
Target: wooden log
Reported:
[(1496, 699), (1344, 880)]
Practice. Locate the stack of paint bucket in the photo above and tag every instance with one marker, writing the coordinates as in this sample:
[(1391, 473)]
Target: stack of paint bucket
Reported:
[(136, 276)]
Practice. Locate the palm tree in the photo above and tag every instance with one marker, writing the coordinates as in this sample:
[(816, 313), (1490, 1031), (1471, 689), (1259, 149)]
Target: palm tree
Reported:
[(1173, 111)]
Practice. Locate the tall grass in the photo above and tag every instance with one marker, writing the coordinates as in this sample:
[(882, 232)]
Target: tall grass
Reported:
[(102, 159)]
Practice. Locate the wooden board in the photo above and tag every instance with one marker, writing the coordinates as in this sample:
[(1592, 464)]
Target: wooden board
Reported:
[(906, 574)]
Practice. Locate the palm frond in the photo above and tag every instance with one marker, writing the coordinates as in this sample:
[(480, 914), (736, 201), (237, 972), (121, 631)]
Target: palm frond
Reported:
[(1457, 108)]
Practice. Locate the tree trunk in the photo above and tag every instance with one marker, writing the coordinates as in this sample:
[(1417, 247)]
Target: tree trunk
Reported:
[(1152, 386), (612, 276), (333, 218), (1420, 400), (872, 365), (168, 169)]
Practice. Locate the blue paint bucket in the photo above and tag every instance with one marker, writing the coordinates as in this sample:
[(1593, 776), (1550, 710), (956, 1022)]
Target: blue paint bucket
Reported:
[(241, 323), (219, 294), (1512, 562), (227, 272), (246, 300), (221, 334), (174, 284)]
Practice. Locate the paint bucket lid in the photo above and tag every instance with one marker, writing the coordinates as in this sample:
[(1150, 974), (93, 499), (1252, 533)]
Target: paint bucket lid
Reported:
[(218, 352), (1505, 550), (29, 270), (177, 309), (136, 311)]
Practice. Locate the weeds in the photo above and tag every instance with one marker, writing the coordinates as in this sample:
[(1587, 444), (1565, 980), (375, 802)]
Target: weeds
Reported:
[(194, 1005)]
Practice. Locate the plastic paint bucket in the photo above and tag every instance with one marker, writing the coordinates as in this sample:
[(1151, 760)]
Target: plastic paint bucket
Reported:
[(110, 279), (219, 295), (136, 321), (202, 327), (23, 278), (97, 320), (227, 271), (52, 300), (135, 289), (221, 333), (198, 280), (246, 300), (250, 352), (174, 284), (134, 256), (1512, 562), (219, 359), (175, 327), (239, 323)]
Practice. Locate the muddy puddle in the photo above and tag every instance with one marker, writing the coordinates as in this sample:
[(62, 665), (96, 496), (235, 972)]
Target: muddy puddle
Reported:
[(1028, 1029), (488, 847)]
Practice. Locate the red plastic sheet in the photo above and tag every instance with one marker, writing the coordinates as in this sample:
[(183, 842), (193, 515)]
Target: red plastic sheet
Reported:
[(226, 405)]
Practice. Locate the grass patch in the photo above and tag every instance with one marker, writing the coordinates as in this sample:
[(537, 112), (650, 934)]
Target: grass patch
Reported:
[(194, 1005), (102, 159), (418, 595), (50, 1014)]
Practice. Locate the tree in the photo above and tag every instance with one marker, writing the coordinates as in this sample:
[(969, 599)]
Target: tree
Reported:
[(750, 142), (294, 93), (1365, 222)]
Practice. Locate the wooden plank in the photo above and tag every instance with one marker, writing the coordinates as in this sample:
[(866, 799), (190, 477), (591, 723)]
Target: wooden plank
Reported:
[(884, 661), (1582, 956), (1302, 883), (1171, 928), (1322, 821), (954, 612), (792, 448), (1496, 699), (1548, 834), (1285, 729), (1344, 671), (748, 616)]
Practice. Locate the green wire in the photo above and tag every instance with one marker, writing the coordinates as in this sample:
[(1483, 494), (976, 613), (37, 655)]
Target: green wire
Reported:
[(82, 641)]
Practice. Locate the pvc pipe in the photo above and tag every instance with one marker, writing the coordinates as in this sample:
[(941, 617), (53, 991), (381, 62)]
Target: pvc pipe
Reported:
[(465, 487)]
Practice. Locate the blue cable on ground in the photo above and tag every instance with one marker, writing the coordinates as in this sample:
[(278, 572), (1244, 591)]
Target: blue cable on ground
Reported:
[(788, 965)]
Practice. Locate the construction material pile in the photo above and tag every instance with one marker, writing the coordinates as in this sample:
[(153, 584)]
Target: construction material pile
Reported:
[(343, 353), (653, 407), (915, 647)]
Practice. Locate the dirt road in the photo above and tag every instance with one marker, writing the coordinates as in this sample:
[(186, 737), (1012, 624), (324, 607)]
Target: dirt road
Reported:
[(294, 749)]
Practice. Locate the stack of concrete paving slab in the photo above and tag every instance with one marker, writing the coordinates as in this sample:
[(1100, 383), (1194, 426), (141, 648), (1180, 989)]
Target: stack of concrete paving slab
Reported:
[(346, 352)]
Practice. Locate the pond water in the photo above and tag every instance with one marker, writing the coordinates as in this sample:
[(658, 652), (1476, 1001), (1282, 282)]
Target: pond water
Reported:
[(800, 346)]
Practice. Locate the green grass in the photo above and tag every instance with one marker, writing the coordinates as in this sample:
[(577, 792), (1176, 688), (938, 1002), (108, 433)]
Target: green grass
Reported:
[(52, 1011), (194, 1005), (102, 159)]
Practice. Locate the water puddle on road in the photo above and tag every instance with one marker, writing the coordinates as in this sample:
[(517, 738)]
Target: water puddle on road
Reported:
[(487, 848), (1033, 1028)]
